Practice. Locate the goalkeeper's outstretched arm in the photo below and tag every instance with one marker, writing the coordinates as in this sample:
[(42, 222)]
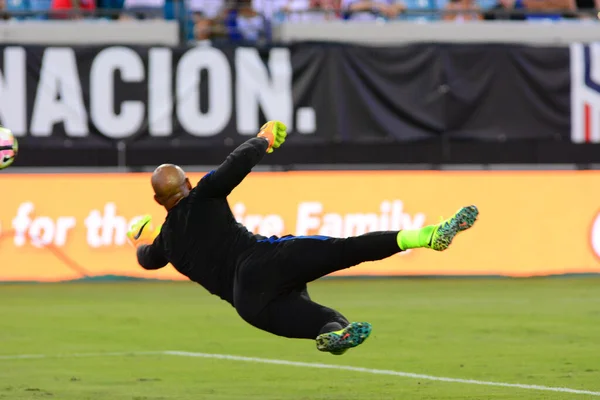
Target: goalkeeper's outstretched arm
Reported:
[(222, 181), (146, 239), (150, 257)]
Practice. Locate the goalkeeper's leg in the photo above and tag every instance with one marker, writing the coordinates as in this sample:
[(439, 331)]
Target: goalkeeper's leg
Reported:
[(307, 259), (295, 315)]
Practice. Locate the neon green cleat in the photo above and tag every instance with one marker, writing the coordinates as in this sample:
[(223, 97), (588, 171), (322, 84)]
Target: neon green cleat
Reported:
[(446, 230), (338, 342)]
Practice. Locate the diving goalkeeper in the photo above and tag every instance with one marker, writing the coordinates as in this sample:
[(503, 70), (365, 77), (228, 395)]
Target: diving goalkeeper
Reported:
[(265, 279)]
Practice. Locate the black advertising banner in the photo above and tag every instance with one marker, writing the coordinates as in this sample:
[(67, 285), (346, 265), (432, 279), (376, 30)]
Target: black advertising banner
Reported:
[(160, 99)]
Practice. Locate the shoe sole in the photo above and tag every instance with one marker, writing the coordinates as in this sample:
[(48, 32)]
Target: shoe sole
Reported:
[(447, 231), (466, 217), (351, 336)]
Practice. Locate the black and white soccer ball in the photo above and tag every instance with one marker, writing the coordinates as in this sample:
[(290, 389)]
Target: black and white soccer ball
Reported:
[(9, 148)]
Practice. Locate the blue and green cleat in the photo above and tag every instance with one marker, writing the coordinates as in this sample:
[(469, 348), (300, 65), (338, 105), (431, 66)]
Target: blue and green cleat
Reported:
[(338, 342), (446, 230)]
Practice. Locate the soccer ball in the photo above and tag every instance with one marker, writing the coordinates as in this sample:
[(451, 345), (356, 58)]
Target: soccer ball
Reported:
[(9, 147)]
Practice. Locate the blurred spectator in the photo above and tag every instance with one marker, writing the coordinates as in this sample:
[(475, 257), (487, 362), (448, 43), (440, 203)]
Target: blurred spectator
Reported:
[(143, 9), (269, 8), (462, 10), (587, 4), (562, 8), (202, 28), (206, 16), (419, 10), (310, 10), (250, 24), (503, 9), (586, 7), (243, 22), (40, 8), (366, 10), (549, 5), (10, 6), (43, 7), (71, 5), (3, 10)]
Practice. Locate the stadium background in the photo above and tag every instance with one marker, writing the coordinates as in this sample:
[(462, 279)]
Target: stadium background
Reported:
[(396, 118)]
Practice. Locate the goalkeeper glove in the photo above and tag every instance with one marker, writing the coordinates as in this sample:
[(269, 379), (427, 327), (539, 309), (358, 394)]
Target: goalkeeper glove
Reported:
[(142, 232), (275, 133)]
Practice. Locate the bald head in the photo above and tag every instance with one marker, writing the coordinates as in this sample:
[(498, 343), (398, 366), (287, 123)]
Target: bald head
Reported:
[(170, 185)]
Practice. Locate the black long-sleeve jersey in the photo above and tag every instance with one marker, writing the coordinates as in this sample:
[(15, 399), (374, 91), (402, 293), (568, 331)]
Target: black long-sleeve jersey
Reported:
[(200, 236)]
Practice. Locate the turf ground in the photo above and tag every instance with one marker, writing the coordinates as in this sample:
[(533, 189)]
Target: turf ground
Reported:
[(536, 332)]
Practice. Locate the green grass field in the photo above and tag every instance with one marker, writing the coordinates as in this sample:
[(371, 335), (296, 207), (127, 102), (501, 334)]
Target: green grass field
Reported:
[(536, 332)]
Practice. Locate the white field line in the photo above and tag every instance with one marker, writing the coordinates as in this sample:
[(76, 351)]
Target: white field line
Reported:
[(83, 355), (308, 365)]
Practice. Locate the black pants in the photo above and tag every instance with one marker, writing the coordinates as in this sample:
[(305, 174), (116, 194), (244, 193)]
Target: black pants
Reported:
[(270, 288)]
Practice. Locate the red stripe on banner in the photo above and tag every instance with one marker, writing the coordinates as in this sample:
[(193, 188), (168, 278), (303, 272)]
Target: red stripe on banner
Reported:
[(588, 122)]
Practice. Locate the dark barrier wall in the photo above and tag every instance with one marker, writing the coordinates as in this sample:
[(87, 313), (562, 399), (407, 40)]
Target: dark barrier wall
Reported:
[(343, 103)]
